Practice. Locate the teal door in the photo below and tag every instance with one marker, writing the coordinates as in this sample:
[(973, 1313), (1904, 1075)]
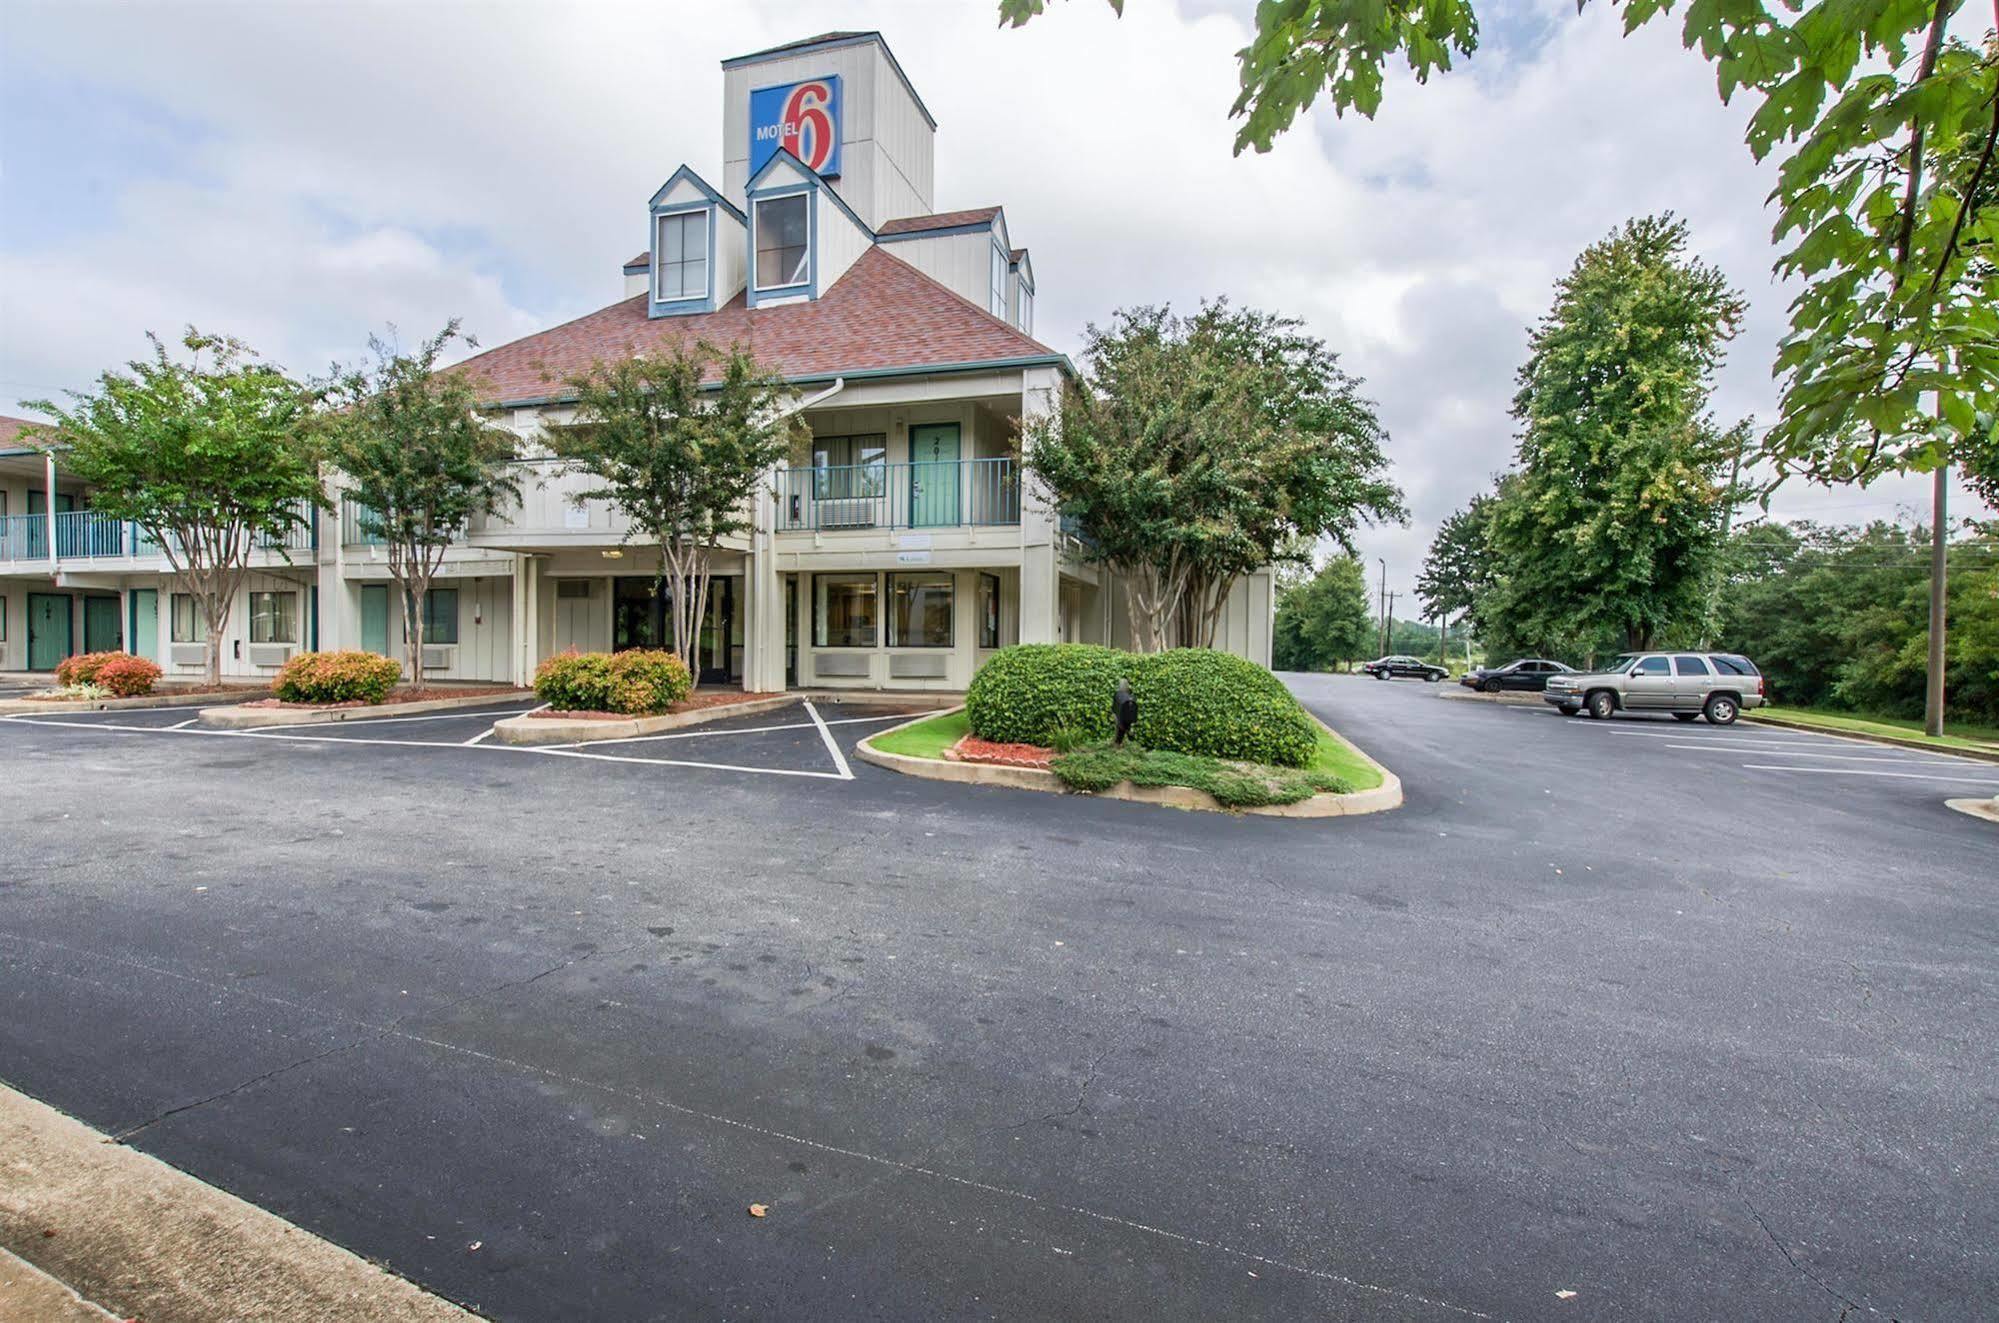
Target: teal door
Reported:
[(48, 630), (102, 630), (933, 475), (145, 613), (375, 618)]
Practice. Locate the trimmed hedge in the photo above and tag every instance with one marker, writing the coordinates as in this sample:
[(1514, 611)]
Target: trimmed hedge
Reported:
[(1190, 700), (634, 683), (1034, 692), (125, 676), (1194, 700), (337, 677)]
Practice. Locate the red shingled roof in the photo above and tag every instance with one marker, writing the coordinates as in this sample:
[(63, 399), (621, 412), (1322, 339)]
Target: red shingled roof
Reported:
[(882, 314), (942, 220), (643, 259), (11, 429)]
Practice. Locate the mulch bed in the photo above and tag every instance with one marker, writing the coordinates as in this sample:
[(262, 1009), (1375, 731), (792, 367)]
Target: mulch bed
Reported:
[(692, 703), (972, 749), (402, 695)]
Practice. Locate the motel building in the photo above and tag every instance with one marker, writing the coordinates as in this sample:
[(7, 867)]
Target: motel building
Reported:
[(895, 551)]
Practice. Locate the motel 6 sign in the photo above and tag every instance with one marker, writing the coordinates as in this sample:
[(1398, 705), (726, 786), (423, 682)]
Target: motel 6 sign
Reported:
[(802, 118)]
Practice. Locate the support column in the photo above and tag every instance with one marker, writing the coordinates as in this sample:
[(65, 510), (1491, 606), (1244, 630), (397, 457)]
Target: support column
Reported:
[(1040, 531), (763, 616), (524, 620)]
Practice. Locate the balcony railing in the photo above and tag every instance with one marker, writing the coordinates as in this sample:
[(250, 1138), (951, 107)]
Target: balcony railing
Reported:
[(927, 494), (358, 527), (88, 535)]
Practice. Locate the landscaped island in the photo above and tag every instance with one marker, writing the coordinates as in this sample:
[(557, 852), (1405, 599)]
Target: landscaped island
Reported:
[(1205, 720)]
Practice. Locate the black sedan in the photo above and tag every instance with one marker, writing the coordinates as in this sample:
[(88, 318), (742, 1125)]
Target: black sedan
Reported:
[(1529, 675), (1388, 668)]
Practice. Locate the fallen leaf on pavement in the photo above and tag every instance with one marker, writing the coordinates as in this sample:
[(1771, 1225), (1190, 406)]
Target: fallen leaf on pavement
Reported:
[(758, 1210)]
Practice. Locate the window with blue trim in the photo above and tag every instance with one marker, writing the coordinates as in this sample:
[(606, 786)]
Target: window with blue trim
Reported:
[(681, 241), (784, 249)]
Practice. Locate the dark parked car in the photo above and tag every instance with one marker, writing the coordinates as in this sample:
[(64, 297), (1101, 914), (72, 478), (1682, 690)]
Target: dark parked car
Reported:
[(1389, 668), (1529, 674)]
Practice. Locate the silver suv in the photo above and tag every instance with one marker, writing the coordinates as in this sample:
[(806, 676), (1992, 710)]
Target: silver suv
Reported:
[(1715, 685)]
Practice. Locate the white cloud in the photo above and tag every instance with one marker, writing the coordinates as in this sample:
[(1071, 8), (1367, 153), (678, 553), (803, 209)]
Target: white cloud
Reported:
[(308, 175)]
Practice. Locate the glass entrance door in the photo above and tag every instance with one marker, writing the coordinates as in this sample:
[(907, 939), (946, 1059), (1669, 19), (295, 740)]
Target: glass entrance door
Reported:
[(933, 475)]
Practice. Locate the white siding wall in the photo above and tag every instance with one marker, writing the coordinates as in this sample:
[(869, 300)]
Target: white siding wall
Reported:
[(960, 262), (485, 627), (732, 256), (236, 637), (14, 623), (841, 243)]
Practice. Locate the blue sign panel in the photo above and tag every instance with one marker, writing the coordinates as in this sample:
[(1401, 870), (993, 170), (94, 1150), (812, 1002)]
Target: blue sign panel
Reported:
[(802, 118)]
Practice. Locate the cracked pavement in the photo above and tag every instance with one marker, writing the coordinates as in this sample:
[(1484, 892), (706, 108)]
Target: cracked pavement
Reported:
[(1555, 1026)]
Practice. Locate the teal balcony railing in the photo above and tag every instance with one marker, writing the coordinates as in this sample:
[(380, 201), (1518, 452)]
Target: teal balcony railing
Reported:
[(928, 494), (358, 527), (89, 535), (24, 537)]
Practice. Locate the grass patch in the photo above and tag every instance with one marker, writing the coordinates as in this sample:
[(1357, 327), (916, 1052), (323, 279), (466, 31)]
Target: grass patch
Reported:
[(1335, 758), (926, 739), (1957, 734)]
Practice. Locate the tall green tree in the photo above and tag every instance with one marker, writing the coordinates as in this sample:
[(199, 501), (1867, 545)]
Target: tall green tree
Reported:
[(1616, 519), (211, 456), (1324, 621), (1459, 570), (1196, 450), (421, 462), (1887, 197), (678, 442)]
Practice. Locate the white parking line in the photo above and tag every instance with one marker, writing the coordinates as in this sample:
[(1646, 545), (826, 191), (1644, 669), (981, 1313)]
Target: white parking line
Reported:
[(551, 752), (394, 721), (707, 734), (1842, 757), (1862, 771), (832, 745)]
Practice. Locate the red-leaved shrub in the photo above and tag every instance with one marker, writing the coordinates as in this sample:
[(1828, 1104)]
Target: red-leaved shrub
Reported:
[(126, 676)]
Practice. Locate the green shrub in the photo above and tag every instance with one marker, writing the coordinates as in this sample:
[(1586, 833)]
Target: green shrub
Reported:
[(337, 677), (1030, 693), (1196, 700), (124, 676), (635, 683)]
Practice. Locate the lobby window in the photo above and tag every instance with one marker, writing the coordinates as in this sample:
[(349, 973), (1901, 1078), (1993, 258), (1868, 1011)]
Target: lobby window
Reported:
[(996, 303), (273, 617), (440, 616), (682, 245), (847, 611), (989, 611), (919, 611), (784, 253), (188, 625), (849, 467)]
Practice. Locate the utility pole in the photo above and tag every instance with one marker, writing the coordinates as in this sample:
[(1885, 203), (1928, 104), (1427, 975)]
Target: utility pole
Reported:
[(1939, 561), (1387, 620), (1384, 604)]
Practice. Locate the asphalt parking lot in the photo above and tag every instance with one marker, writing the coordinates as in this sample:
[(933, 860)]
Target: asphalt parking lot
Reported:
[(1623, 1020)]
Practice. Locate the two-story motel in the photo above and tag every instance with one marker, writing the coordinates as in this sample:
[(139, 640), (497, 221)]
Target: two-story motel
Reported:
[(896, 551)]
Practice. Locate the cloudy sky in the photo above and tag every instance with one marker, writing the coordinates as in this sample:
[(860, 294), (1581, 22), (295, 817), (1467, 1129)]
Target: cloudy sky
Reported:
[(300, 174)]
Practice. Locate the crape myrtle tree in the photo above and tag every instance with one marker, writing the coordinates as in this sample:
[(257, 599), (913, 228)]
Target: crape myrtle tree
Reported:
[(1613, 521), (1886, 113), (1324, 621), (210, 456), (678, 441), (1194, 451), (420, 461)]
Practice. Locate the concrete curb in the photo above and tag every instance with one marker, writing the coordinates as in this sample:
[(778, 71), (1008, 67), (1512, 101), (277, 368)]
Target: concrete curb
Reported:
[(12, 706), (567, 730), (1521, 698), (252, 718), (557, 730), (1385, 796), (27, 1292), (1987, 809), (1868, 737), (138, 1237)]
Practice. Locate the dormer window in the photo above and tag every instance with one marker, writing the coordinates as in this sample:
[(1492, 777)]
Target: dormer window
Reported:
[(996, 302), (1026, 321), (783, 237), (682, 245)]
